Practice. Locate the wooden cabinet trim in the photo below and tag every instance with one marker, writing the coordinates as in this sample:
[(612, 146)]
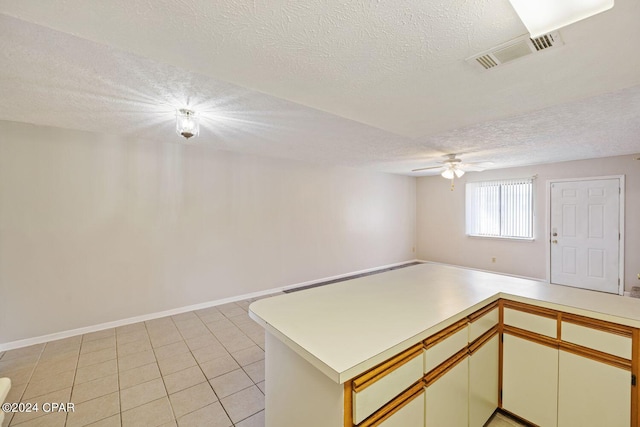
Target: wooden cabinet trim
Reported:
[(484, 310), (348, 404), (517, 418), (635, 370), (445, 333), (394, 406), (559, 326), (373, 375), (598, 356), (500, 349), (418, 388), (531, 309), (482, 340), (437, 372), (600, 325), (531, 336)]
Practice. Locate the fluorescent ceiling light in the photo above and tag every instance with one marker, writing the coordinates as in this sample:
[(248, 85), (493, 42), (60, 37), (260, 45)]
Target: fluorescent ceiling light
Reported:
[(544, 16)]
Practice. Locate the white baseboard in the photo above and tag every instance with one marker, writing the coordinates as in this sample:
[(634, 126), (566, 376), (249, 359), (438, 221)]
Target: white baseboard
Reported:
[(353, 273), (116, 323), (484, 271)]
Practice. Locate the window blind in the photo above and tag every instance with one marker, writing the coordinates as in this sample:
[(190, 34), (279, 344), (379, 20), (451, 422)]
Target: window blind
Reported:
[(500, 208)]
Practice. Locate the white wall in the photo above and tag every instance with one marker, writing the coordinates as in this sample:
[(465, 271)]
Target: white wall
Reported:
[(94, 228), (441, 219)]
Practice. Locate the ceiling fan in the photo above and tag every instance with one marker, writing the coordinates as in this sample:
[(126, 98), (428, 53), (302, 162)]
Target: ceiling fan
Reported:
[(453, 167)]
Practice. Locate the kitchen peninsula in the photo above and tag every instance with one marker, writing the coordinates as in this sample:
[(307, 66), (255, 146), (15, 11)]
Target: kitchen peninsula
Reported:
[(406, 347)]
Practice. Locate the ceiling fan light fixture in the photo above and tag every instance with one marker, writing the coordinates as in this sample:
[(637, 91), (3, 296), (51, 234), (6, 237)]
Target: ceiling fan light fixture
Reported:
[(187, 124), (459, 172), (448, 173), (544, 16)]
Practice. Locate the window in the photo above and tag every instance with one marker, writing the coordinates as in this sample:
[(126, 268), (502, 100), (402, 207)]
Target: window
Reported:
[(500, 208)]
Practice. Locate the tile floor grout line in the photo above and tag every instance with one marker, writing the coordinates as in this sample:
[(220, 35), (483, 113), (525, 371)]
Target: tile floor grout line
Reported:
[(173, 412), (187, 328)]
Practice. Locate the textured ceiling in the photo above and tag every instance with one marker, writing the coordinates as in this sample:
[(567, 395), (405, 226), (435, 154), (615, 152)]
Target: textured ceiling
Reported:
[(365, 84)]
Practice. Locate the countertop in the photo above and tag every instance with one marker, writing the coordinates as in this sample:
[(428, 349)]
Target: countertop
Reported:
[(345, 328)]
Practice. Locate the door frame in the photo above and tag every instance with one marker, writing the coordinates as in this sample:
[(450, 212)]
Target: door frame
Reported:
[(621, 208)]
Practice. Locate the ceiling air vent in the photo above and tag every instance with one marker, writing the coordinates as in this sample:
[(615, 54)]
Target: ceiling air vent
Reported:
[(514, 49)]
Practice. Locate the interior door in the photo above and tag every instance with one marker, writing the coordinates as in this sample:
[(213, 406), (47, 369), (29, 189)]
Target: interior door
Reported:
[(585, 234)]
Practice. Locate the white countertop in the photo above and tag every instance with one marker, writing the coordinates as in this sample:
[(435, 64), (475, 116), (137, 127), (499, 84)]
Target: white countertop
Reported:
[(348, 327)]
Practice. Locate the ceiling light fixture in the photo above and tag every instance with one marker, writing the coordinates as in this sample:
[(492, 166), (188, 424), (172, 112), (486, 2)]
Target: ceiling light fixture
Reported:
[(452, 171), (187, 123), (544, 16)]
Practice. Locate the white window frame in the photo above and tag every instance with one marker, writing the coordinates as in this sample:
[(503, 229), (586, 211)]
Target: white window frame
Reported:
[(493, 228)]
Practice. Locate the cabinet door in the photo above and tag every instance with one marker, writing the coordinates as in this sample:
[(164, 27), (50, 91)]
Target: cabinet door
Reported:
[(530, 380), (483, 382), (592, 393), (447, 399), (410, 415)]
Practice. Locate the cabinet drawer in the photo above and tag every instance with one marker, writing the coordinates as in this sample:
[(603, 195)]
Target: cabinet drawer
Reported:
[(531, 322), (373, 390), (606, 342), (482, 324), (445, 344)]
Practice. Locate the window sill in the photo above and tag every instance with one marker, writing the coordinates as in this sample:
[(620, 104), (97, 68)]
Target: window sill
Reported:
[(516, 239)]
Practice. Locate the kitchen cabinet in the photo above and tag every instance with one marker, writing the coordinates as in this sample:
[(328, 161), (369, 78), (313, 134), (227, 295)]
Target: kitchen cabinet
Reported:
[(595, 373), (592, 393), (411, 414), (557, 349), (373, 389), (483, 364), (530, 380), (483, 381), (447, 394)]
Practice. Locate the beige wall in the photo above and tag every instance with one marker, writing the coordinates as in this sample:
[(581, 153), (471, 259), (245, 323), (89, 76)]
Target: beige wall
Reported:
[(441, 219), (94, 228)]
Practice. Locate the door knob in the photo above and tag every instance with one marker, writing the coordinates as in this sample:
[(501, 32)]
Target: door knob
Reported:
[(554, 242)]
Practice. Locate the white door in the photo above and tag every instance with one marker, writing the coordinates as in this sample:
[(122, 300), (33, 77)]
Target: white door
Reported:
[(585, 233)]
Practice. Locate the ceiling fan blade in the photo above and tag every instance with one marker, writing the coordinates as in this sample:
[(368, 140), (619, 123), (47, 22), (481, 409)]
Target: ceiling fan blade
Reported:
[(480, 164), (471, 168), (475, 167), (424, 169)]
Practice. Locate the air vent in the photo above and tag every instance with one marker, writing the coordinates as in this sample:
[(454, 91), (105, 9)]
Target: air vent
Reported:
[(544, 42), (514, 49)]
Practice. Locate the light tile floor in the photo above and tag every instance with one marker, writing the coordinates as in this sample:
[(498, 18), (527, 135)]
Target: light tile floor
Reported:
[(201, 368), (500, 420)]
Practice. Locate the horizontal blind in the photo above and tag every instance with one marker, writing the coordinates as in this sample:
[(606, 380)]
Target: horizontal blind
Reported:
[(500, 208)]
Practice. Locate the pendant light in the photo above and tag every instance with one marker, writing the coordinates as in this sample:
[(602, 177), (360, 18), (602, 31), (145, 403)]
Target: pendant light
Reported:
[(187, 123)]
